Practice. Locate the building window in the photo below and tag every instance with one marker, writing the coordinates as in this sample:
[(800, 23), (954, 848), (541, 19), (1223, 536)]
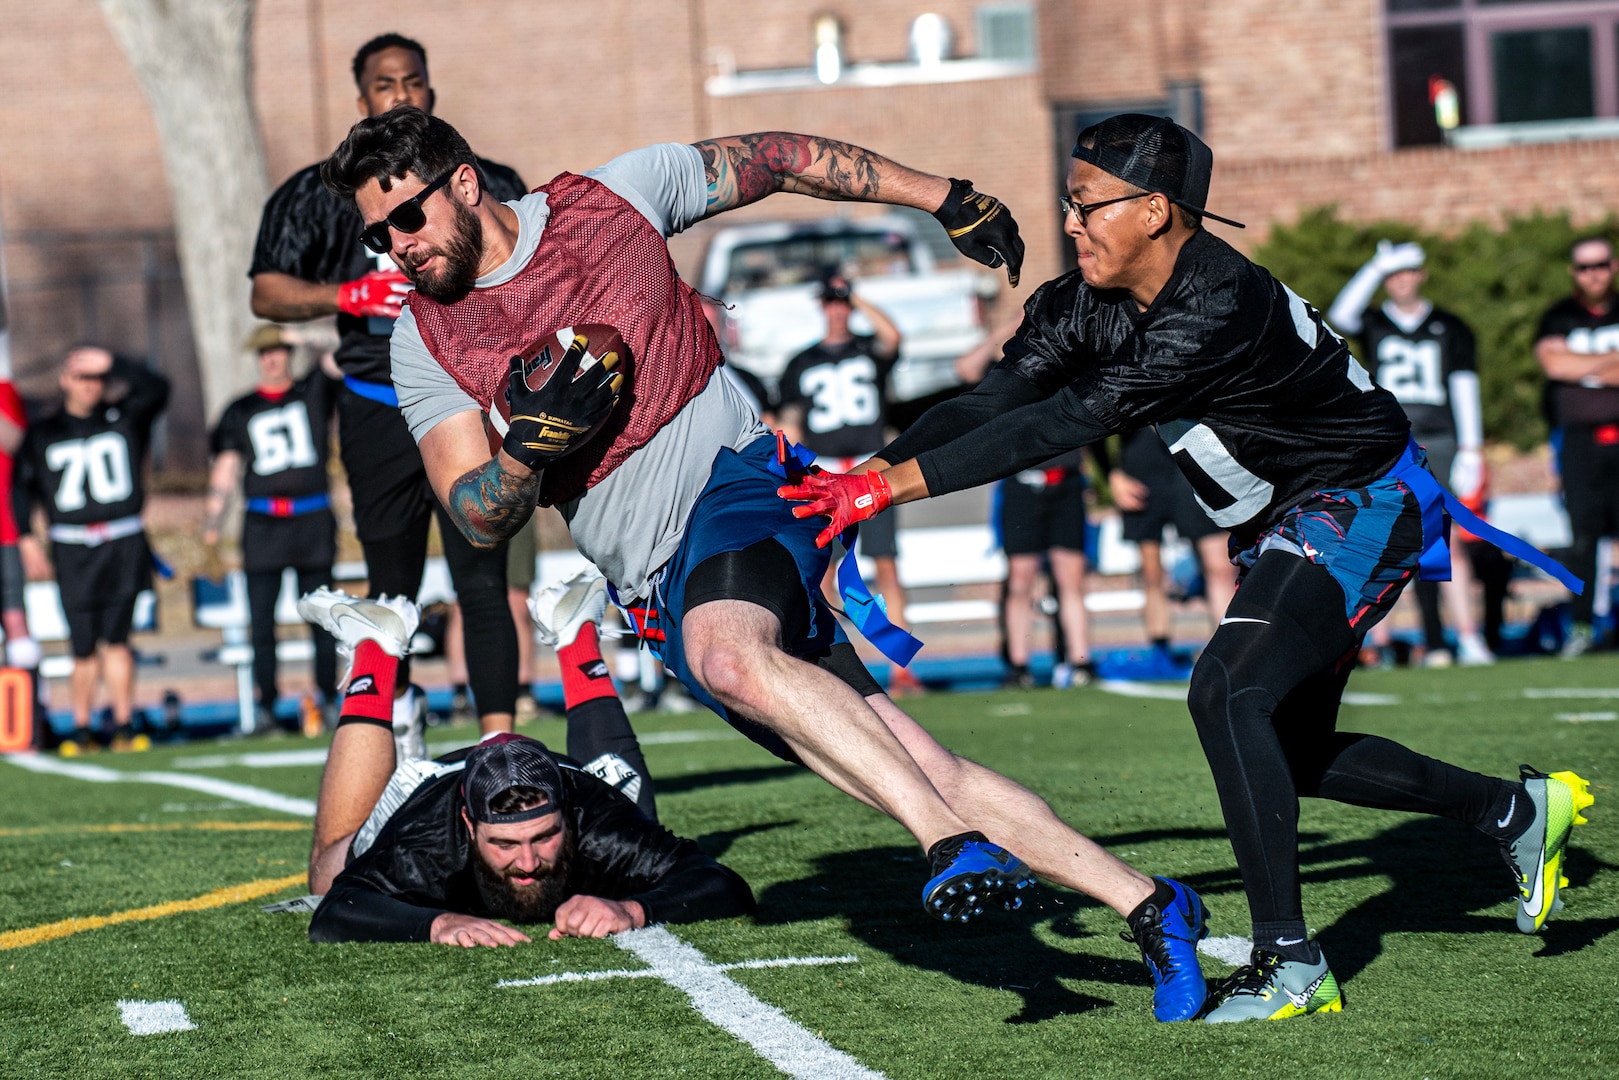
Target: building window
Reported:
[(1006, 31), (1509, 61)]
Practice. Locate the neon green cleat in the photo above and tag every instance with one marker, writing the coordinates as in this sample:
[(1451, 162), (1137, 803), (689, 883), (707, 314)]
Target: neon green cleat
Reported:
[(1271, 988), (1536, 856)]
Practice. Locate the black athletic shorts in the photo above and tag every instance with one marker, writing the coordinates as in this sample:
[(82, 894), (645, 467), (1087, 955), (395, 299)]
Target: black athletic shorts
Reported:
[(98, 587), (1034, 518), (386, 475), (1170, 499), (305, 542)]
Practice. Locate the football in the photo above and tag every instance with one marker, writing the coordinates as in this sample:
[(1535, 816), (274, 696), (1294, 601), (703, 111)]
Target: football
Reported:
[(543, 357)]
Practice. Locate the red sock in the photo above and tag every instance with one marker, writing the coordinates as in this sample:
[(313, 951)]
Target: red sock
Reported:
[(584, 673), (369, 697)]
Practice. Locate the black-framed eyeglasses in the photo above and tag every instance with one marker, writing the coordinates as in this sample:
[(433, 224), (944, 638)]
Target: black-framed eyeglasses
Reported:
[(1083, 210), (407, 217)]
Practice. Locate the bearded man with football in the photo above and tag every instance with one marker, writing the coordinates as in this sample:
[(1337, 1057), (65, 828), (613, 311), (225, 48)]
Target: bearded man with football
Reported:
[(665, 475)]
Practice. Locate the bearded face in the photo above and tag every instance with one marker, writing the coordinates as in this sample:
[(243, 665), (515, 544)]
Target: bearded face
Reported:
[(457, 270), (534, 901)]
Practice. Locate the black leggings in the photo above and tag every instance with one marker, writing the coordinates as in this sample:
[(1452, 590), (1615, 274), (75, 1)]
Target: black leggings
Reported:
[(599, 727), (263, 586), (1265, 697), (395, 567)]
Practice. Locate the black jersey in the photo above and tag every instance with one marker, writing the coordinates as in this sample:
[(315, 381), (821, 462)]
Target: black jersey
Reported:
[(85, 470), (284, 440), (422, 865), (311, 234), (1260, 403), (1588, 333), (844, 392), (1416, 367)]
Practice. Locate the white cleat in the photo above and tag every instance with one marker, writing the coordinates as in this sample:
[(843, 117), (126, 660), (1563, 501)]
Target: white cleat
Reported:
[(560, 611), (389, 621), (1471, 651)]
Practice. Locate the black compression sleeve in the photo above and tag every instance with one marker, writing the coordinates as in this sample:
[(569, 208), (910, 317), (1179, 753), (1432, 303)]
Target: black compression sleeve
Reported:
[(353, 911), (1017, 440), (696, 888), (1001, 391)]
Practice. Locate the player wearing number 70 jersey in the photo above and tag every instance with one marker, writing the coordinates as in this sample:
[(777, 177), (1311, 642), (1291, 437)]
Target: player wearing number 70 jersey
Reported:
[(1289, 445), (276, 441), (83, 466)]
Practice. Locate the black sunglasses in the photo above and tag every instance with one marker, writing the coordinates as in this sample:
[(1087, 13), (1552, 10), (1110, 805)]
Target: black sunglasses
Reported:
[(1083, 210), (407, 217), (1590, 267)]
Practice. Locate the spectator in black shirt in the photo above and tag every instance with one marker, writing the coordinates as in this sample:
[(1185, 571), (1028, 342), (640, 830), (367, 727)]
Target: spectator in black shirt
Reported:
[(1578, 349)]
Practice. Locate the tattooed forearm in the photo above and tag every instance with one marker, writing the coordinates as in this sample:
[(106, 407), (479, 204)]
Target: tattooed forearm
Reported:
[(490, 504), (745, 168)]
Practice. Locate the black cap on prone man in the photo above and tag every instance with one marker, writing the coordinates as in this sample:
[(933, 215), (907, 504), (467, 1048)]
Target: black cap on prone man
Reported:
[(504, 762)]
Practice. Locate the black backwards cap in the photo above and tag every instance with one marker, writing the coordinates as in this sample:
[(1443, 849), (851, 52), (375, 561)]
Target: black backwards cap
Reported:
[(1155, 154), (502, 763)]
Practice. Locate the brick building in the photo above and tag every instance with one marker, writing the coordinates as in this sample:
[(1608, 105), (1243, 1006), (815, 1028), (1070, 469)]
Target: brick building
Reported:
[(1304, 104)]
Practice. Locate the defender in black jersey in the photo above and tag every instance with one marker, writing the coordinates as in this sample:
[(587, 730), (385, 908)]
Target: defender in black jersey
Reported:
[(275, 442), (1577, 345), (1288, 444), (84, 466), (438, 850), (1424, 356), (309, 262)]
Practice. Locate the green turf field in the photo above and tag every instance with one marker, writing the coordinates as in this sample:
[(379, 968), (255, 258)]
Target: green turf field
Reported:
[(1414, 914)]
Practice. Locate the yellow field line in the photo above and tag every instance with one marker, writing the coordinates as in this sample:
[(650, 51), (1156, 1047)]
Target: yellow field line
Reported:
[(171, 826), (234, 894)]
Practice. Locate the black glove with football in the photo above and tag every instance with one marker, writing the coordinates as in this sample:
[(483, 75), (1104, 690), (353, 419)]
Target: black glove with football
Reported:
[(982, 228), (560, 415)]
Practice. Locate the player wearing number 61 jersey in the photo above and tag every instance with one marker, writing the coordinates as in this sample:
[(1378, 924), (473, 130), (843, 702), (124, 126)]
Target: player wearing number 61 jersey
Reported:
[(277, 441), (84, 467), (1289, 445)]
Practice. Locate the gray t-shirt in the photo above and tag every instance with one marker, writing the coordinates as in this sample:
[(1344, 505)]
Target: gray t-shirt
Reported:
[(630, 523)]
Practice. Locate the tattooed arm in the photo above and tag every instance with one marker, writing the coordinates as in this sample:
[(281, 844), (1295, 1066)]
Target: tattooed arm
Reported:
[(745, 168), (489, 498)]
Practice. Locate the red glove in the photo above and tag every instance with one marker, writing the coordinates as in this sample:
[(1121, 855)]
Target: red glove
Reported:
[(844, 498), (378, 293)]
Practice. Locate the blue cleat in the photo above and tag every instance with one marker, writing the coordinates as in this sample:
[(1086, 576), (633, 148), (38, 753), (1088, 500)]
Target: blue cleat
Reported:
[(1168, 941), (969, 874)]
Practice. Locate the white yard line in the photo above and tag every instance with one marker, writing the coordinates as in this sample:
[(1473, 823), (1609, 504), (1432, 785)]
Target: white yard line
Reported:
[(724, 1003), (1177, 692), (100, 774), (1565, 693), (155, 1017)]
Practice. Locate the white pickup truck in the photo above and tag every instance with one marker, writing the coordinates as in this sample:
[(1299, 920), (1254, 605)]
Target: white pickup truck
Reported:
[(768, 276)]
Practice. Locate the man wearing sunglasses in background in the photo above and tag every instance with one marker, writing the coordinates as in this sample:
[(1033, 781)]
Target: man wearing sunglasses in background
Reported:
[(1578, 349), (310, 263)]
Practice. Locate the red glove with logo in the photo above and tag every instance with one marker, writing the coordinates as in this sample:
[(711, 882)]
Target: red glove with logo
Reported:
[(844, 498), (378, 293)]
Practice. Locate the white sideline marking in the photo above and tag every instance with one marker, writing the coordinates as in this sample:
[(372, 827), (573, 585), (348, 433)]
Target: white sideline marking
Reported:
[(723, 1003), (1177, 692), (1585, 717), (1231, 949), (155, 1017), (662, 738), (1562, 693), (99, 774), (264, 759), (642, 973)]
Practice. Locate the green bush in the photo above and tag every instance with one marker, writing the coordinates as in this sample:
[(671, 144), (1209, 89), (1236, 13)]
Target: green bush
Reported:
[(1500, 280)]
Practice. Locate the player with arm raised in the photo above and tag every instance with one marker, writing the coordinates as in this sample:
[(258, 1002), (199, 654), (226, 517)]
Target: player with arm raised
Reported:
[(1289, 445), (665, 475)]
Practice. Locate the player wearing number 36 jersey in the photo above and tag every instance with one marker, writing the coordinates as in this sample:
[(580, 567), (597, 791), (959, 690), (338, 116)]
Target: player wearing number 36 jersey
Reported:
[(84, 466), (1289, 445)]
